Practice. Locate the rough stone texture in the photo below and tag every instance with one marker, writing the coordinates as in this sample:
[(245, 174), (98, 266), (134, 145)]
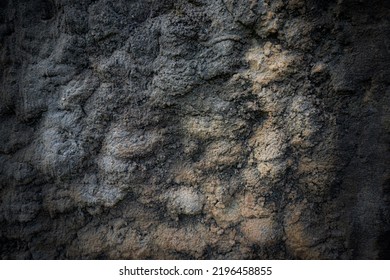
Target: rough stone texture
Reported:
[(206, 129)]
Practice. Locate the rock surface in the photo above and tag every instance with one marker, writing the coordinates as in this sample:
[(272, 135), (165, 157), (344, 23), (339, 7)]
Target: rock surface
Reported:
[(196, 129)]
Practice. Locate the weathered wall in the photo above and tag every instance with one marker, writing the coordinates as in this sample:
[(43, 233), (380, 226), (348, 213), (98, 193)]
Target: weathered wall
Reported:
[(207, 129)]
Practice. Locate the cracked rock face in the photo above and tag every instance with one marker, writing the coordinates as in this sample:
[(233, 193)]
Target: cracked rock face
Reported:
[(194, 129)]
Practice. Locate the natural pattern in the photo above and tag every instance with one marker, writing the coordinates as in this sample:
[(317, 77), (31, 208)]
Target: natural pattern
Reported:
[(206, 129)]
